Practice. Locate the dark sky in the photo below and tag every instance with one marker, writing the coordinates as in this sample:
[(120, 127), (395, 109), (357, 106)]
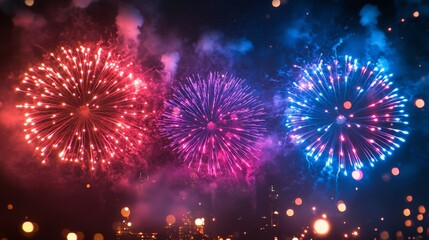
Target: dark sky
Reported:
[(170, 40)]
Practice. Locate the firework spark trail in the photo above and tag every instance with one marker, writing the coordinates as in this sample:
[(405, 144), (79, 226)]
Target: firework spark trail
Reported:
[(349, 115), (82, 108), (213, 123)]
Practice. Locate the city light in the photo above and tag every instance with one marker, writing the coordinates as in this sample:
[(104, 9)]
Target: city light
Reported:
[(199, 221)]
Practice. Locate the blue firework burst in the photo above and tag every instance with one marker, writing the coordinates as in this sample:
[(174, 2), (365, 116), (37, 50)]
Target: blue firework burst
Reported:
[(346, 114)]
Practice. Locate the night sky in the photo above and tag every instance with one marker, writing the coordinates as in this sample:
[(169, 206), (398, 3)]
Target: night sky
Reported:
[(170, 40)]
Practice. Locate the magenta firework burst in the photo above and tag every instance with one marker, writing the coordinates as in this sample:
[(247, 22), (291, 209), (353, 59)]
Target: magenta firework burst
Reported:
[(346, 114), (213, 123), (82, 106)]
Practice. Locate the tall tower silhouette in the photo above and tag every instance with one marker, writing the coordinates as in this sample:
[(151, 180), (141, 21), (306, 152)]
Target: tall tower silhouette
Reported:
[(274, 213)]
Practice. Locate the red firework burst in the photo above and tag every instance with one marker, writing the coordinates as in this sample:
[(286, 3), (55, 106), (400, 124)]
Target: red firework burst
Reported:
[(82, 107)]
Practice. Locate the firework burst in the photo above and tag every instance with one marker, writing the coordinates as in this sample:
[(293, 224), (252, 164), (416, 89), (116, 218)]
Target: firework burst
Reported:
[(82, 107), (348, 115), (213, 123)]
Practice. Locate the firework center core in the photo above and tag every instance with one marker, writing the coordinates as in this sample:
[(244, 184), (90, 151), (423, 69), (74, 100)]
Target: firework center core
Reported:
[(211, 126), (83, 111), (341, 119)]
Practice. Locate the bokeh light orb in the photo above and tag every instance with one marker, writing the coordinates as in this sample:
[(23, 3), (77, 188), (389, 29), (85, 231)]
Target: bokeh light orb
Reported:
[(407, 212), (125, 212), (386, 177), (408, 223), (170, 219), (347, 105), (321, 226), (276, 3), (420, 103), (27, 227), (9, 206), (29, 3), (341, 206), (395, 171), (416, 14), (422, 209), (80, 236), (384, 235), (290, 212), (420, 229), (399, 235), (298, 201), (98, 236), (71, 236), (357, 175), (409, 198)]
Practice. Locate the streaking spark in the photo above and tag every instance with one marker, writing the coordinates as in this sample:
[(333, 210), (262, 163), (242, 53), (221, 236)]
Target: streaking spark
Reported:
[(213, 123), (82, 105), (347, 115)]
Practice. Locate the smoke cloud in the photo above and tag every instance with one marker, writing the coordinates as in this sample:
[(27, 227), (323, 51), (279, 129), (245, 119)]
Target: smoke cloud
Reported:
[(215, 42), (170, 61), (28, 20), (129, 22), (369, 14), (377, 39), (82, 3)]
